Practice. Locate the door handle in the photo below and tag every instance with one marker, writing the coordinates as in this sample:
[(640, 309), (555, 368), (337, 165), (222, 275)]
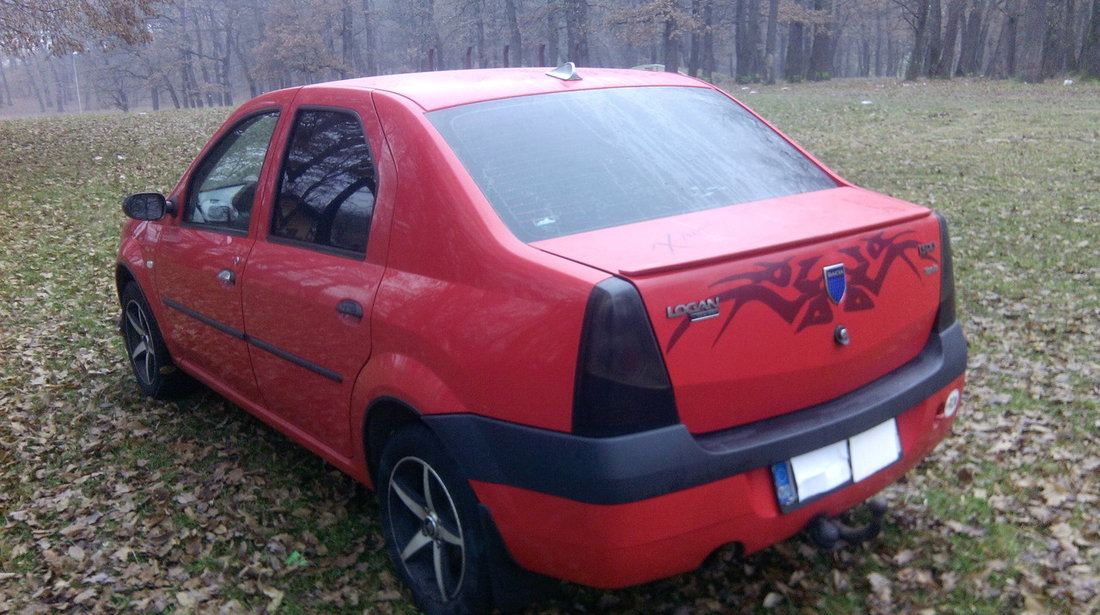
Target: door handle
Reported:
[(226, 276), (347, 307)]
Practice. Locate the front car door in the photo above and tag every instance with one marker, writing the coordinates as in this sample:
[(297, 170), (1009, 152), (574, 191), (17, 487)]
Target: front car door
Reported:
[(201, 258), (311, 281)]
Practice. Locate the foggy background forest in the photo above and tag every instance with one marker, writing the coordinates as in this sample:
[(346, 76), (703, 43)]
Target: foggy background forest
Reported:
[(63, 56)]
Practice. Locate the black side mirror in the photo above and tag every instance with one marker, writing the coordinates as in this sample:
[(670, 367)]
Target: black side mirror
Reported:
[(145, 206)]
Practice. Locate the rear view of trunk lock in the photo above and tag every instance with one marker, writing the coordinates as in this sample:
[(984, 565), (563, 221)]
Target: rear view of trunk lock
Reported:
[(840, 335)]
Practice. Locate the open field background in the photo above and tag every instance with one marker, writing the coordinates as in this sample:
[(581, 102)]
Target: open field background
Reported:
[(114, 503)]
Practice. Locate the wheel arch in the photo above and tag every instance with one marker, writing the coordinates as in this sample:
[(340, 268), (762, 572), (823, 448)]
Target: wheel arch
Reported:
[(384, 416), (123, 276)]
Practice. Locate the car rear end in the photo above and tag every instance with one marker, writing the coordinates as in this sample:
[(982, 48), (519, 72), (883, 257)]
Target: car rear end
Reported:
[(769, 344)]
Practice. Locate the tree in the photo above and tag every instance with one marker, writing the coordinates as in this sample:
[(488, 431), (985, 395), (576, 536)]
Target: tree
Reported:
[(61, 26), (1090, 53), (576, 31), (1029, 48)]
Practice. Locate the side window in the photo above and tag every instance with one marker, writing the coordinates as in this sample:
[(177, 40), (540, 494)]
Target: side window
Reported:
[(224, 185), (326, 190)]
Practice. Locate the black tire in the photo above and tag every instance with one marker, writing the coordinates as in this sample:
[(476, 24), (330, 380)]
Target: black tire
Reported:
[(156, 375), (431, 524)]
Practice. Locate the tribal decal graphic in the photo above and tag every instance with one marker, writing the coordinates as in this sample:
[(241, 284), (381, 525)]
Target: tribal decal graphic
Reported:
[(790, 291)]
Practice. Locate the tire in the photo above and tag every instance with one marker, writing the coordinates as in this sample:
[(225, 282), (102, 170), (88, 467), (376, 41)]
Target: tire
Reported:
[(430, 520), (154, 371)]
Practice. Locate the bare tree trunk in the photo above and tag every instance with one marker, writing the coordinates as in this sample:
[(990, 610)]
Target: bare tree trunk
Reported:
[(669, 42), (204, 69), (351, 61), (7, 88), (881, 46), (553, 17), (1069, 41), (576, 31), (942, 68), (920, 41), (1029, 52), (769, 42), (821, 54), (187, 71), (1090, 53), (1058, 56), (226, 53), (60, 97), (935, 38), (370, 38), (708, 39), (32, 78), (1003, 64), (695, 50), (796, 52), (515, 40), (747, 42), (970, 47), (253, 87), (479, 33)]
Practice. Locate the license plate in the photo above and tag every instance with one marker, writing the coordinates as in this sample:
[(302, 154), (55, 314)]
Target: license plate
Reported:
[(811, 475)]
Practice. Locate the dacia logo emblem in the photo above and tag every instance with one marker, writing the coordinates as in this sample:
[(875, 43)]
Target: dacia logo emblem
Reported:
[(836, 282)]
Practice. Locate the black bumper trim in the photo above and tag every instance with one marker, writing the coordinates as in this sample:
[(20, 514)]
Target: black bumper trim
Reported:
[(649, 464)]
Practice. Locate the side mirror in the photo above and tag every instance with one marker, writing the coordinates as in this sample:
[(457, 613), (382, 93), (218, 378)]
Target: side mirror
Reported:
[(145, 206)]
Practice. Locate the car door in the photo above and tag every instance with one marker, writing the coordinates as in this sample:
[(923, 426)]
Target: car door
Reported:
[(201, 258), (311, 281)]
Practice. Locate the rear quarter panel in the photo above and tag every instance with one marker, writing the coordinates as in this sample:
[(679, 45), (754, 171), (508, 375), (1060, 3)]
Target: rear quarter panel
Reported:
[(467, 318)]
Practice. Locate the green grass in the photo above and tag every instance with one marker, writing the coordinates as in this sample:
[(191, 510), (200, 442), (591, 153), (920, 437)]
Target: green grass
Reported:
[(111, 502)]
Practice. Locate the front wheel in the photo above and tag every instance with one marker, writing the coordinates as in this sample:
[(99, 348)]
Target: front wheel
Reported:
[(154, 371), (429, 516)]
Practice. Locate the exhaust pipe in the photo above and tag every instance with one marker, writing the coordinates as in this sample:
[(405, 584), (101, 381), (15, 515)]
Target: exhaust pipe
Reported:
[(827, 533)]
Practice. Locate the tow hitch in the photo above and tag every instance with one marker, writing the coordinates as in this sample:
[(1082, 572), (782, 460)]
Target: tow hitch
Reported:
[(827, 533)]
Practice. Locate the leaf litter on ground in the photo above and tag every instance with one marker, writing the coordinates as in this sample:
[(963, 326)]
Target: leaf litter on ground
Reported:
[(114, 503)]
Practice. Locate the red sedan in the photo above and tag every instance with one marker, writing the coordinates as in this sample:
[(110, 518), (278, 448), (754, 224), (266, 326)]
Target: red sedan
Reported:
[(587, 324)]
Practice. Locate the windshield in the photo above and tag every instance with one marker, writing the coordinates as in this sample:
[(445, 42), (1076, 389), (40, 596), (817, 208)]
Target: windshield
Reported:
[(565, 163)]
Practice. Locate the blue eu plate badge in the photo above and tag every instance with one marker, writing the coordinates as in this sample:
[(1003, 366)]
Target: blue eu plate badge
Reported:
[(836, 282)]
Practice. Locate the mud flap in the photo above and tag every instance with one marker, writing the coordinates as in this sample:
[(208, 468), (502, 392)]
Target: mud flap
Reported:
[(513, 587)]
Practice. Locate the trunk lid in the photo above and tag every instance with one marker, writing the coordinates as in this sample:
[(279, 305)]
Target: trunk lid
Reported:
[(743, 313)]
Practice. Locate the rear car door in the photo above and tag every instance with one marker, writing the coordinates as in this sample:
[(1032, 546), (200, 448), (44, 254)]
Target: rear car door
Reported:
[(200, 259), (311, 281)]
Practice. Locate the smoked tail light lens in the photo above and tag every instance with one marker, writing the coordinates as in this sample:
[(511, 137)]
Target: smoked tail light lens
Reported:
[(946, 315), (622, 384)]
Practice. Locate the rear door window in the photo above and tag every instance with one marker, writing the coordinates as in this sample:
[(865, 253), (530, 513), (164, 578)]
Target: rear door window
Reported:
[(564, 163), (327, 186)]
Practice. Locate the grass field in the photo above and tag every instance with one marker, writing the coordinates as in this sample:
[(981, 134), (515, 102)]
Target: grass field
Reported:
[(110, 502)]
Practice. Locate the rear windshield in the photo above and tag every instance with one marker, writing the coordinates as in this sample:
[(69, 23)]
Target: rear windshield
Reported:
[(565, 163)]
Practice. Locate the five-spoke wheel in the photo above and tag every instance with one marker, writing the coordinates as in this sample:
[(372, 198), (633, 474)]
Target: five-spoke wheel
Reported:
[(153, 368), (429, 515)]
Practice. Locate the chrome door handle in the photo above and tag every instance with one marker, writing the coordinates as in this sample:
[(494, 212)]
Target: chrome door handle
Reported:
[(226, 276)]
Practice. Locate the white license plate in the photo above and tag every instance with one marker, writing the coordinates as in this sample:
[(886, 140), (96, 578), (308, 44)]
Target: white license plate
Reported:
[(818, 472)]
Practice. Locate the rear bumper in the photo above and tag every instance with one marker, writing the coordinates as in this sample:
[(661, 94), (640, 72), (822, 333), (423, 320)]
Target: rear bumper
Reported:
[(612, 512)]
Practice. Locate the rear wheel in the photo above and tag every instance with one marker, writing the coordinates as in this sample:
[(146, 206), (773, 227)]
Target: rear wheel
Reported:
[(154, 371), (429, 516)]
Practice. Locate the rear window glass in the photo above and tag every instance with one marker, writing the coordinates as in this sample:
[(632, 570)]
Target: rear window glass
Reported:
[(565, 163)]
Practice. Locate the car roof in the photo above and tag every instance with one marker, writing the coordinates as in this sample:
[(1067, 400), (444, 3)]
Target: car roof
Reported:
[(441, 89)]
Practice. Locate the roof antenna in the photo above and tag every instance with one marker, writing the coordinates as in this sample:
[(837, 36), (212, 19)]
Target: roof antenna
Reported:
[(565, 72)]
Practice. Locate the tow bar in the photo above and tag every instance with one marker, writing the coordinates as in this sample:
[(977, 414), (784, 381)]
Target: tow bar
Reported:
[(827, 533)]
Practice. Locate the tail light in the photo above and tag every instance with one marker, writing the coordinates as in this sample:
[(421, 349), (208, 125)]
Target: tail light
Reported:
[(946, 316), (622, 384)]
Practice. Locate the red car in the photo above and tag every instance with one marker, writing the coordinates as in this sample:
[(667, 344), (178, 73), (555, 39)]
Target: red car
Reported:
[(588, 324)]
